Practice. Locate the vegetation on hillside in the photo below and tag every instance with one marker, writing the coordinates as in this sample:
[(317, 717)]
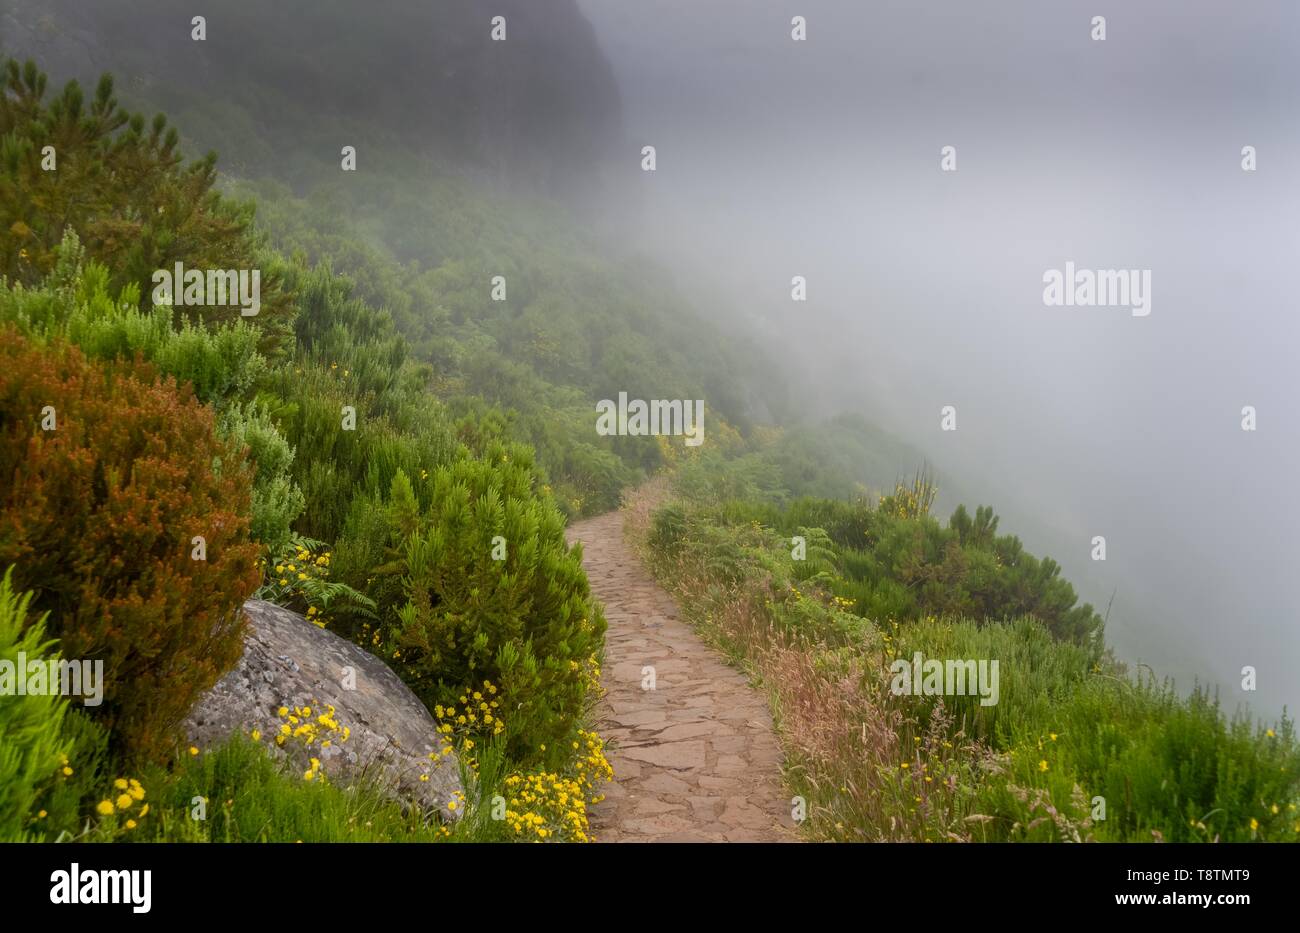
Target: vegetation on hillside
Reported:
[(310, 451), (820, 599), (392, 447), (112, 478)]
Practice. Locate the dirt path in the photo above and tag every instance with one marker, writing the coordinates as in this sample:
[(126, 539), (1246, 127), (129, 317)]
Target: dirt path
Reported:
[(695, 759)]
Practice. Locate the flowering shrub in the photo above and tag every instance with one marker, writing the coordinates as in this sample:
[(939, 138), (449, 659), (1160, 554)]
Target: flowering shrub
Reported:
[(298, 580), (108, 477), (549, 806), (493, 592), (479, 715), (122, 809), (540, 805)]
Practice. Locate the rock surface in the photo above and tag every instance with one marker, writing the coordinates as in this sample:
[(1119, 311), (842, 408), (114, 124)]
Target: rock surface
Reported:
[(290, 662)]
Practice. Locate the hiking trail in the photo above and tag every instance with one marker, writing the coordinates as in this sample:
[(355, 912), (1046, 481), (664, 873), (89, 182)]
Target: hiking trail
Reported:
[(696, 759)]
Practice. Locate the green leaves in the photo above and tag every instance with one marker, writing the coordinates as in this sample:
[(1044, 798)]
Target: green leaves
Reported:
[(121, 187), (492, 592), (31, 743)]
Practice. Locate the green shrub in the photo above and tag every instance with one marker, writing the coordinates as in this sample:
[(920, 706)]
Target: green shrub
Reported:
[(899, 563), (405, 430), (277, 501), (100, 514), (494, 593), (668, 529), (590, 480), (32, 747), (710, 478), (121, 186), (76, 301)]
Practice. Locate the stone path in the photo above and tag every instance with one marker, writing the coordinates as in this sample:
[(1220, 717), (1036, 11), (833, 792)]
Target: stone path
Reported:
[(695, 759)]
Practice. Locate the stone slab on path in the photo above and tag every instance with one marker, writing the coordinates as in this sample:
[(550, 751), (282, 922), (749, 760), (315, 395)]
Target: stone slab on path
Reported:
[(696, 759)]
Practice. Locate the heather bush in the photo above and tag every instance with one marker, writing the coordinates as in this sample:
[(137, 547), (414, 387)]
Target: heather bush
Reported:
[(221, 363), (110, 472)]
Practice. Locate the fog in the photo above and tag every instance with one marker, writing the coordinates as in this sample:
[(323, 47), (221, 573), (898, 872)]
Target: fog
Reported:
[(821, 158)]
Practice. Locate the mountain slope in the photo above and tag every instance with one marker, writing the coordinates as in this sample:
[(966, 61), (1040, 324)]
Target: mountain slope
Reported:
[(282, 89)]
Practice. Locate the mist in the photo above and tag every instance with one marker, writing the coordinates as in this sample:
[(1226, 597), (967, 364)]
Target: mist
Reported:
[(821, 159), (694, 421)]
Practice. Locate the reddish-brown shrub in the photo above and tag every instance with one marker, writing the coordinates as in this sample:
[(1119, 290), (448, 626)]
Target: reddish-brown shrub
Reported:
[(98, 516)]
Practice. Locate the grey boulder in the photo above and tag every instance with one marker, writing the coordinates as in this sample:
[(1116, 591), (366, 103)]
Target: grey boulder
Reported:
[(289, 662)]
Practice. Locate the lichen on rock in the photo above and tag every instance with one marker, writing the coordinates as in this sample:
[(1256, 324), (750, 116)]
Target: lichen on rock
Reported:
[(290, 664)]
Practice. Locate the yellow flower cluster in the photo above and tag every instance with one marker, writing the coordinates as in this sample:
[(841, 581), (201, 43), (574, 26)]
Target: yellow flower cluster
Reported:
[(294, 573), (591, 672), (375, 637), (309, 726), (124, 795), (541, 805), (478, 714), (909, 501), (544, 805), (547, 806), (593, 768)]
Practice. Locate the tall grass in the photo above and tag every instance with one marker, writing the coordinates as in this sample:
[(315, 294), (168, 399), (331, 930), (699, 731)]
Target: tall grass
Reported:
[(1075, 749)]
